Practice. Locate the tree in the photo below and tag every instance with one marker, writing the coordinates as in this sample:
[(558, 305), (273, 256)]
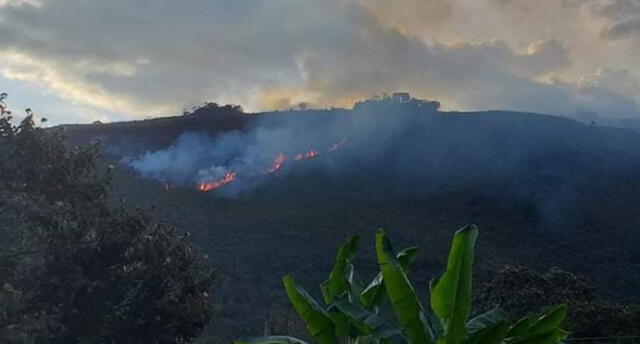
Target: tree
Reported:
[(76, 269)]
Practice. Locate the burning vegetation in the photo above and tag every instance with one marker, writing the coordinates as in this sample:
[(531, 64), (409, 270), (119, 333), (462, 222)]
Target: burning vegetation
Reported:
[(277, 164), (281, 158), (308, 155), (206, 186)]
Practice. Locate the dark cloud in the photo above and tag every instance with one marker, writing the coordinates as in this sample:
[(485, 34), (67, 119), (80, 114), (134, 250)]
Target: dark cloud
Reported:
[(154, 57)]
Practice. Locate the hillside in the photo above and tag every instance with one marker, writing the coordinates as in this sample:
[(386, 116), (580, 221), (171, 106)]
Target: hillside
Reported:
[(135, 137), (545, 191)]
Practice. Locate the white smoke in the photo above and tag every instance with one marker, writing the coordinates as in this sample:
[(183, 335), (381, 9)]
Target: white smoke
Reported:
[(391, 143), (197, 157)]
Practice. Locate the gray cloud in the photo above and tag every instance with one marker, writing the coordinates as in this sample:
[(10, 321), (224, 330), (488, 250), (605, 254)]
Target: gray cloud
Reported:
[(623, 29), (154, 57), (622, 17), (414, 16)]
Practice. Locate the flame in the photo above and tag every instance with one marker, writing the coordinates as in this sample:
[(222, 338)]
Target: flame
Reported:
[(308, 155), (214, 184), (280, 159), (338, 145), (277, 164)]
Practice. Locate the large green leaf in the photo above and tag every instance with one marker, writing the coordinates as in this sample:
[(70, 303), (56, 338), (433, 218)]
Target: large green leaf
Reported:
[(403, 297), (550, 321), (520, 327), (338, 282), (355, 282), (407, 256), (552, 337), (451, 296), (489, 334), (318, 322), (545, 329), (271, 340), (373, 295), (369, 323), (485, 320)]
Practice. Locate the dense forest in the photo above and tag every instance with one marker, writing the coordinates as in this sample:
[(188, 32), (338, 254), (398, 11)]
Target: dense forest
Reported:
[(88, 256)]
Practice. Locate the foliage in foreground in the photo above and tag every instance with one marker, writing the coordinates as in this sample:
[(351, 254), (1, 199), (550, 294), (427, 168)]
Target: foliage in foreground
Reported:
[(74, 269), (520, 291), (352, 311)]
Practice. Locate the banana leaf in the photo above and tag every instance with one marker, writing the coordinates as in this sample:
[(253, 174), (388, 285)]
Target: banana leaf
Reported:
[(400, 292), (451, 295), (550, 321), (369, 323), (318, 321), (373, 295), (485, 320), (490, 334), (338, 282), (520, 328), (271, 340), (552, 337), (546, 329)]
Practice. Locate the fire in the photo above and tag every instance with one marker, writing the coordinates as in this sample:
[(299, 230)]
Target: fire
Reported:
[(277, 164), (279, 161), (338, 145), (308, 155), (214, 184)]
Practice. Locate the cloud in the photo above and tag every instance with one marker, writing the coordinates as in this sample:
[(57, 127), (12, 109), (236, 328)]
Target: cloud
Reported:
[(546, 56), (623, 29), (410, 16), (622, 17), (156, 57), (19, 2), (616, 80)]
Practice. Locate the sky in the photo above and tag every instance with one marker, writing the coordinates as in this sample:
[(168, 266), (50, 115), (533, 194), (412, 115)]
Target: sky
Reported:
[(80, 61)]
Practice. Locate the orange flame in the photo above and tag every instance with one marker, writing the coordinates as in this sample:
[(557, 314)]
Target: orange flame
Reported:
[(214, 184), (229, 177), (277, 164), (308, 155)]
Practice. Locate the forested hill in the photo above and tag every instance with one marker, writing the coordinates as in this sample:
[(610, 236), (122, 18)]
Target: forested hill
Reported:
[(545, 191)]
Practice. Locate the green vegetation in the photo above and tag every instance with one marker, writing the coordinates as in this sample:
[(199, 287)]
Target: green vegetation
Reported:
[(80, 264), (352, 312), (520, 291), (76, 269), (553, 207)]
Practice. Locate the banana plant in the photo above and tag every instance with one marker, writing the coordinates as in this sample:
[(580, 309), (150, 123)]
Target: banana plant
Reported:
[(350, 313)]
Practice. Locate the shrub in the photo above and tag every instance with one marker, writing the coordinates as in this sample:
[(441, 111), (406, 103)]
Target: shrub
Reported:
[(521, 291)]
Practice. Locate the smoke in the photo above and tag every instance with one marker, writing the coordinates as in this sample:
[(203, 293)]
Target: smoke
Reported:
[(192, 157), (275, 146), (196, 157), (395, 144)]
